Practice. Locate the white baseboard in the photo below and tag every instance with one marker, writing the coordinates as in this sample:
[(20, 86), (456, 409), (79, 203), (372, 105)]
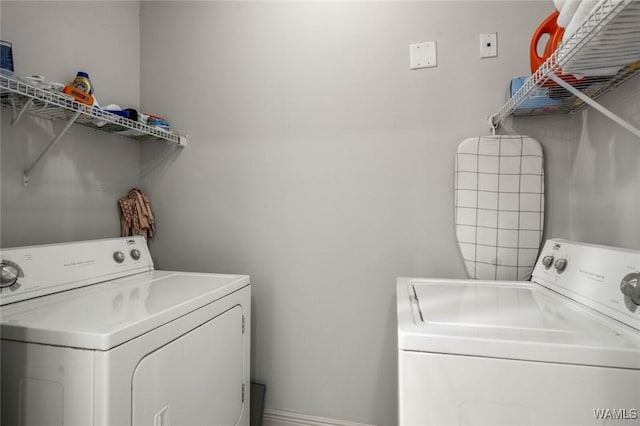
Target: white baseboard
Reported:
[(274, 417)]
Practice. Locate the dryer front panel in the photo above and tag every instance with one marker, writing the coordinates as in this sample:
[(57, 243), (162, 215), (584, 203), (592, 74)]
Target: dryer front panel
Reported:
[(195, 379)]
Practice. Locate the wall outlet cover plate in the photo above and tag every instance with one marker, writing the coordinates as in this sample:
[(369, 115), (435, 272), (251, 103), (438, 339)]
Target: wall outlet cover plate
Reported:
[(423, 55)]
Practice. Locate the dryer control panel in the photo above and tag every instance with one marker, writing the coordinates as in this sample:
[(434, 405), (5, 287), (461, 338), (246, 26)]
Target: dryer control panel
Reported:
[(604, 278), (28, 272)]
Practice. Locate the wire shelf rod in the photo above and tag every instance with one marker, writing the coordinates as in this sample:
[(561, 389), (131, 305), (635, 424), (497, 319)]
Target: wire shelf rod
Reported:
[(28, 170), (608, 38), (630, 127), (16, 117), (51, 105)]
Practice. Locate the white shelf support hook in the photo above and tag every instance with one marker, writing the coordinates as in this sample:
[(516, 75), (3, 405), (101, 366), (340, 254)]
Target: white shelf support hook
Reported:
[(493, 124)]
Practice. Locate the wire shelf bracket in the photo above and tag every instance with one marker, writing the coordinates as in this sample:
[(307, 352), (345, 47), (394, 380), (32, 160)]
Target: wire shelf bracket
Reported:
[(24, 97), (54, 141), (16, 116), (630, 127), (602, 54)]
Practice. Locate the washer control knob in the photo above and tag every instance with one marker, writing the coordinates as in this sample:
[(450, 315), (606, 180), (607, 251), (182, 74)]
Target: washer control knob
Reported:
[(547, 261), (10, 274), (630, 287), (135, 254), (118, 256), (560, 265)]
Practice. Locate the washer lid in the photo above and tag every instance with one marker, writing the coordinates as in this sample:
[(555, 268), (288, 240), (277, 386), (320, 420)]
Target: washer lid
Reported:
[(514, 320), (108, 314)]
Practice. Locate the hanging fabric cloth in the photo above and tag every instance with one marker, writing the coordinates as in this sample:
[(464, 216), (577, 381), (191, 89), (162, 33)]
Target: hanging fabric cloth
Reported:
[(136, 215)]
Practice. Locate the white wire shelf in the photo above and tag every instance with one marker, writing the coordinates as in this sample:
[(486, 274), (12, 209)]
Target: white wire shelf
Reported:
[(608, 40), (55, 105), (51, 104)]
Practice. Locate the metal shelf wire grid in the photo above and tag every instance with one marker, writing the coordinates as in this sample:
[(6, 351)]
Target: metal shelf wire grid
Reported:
[(54, 105), (609, 37)]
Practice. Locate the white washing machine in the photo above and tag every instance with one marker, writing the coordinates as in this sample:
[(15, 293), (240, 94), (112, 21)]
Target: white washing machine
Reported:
[(93, 335), (562, 349)]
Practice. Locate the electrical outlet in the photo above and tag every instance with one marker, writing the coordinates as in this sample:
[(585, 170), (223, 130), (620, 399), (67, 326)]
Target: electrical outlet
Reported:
[(489, 45)]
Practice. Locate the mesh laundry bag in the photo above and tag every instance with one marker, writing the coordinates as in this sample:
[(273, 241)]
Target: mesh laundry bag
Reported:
[(499, 205)]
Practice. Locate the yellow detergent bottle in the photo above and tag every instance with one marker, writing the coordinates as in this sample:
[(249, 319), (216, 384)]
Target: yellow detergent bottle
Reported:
[(80, 88), (82, 82)]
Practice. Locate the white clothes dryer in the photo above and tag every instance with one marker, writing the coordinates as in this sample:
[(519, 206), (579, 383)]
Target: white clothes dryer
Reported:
[(93, 335), (562, 349)]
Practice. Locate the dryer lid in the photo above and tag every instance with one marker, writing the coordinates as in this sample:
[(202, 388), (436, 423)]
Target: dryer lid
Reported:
[(514, 320), (105, 315)]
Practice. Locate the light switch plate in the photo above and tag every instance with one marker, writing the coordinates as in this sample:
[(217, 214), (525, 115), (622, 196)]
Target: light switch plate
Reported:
[(489, 45), (423, 55)]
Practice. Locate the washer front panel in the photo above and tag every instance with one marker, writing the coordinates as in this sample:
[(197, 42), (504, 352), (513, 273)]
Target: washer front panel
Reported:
[(448, 389)]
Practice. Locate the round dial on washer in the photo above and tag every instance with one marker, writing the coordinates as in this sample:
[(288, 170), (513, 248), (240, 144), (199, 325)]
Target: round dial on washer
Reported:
[(10, 274), (135, 254), (547, 261), (118, 256), (560, 265), (630, 287)]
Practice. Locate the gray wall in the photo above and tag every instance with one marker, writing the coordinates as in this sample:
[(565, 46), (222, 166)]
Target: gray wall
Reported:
[(318, 163), (593, 170), (73, 193), (323, 167), (605, 174)]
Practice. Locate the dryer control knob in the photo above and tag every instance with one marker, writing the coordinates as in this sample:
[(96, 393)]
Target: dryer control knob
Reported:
[(547, 261), (560, 265), (630, 287), (118, 256), (135, 254), (10, 274)]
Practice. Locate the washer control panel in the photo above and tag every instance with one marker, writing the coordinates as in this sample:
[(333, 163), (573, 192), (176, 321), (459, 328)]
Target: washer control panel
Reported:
[(606, 279), (33, 271)]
